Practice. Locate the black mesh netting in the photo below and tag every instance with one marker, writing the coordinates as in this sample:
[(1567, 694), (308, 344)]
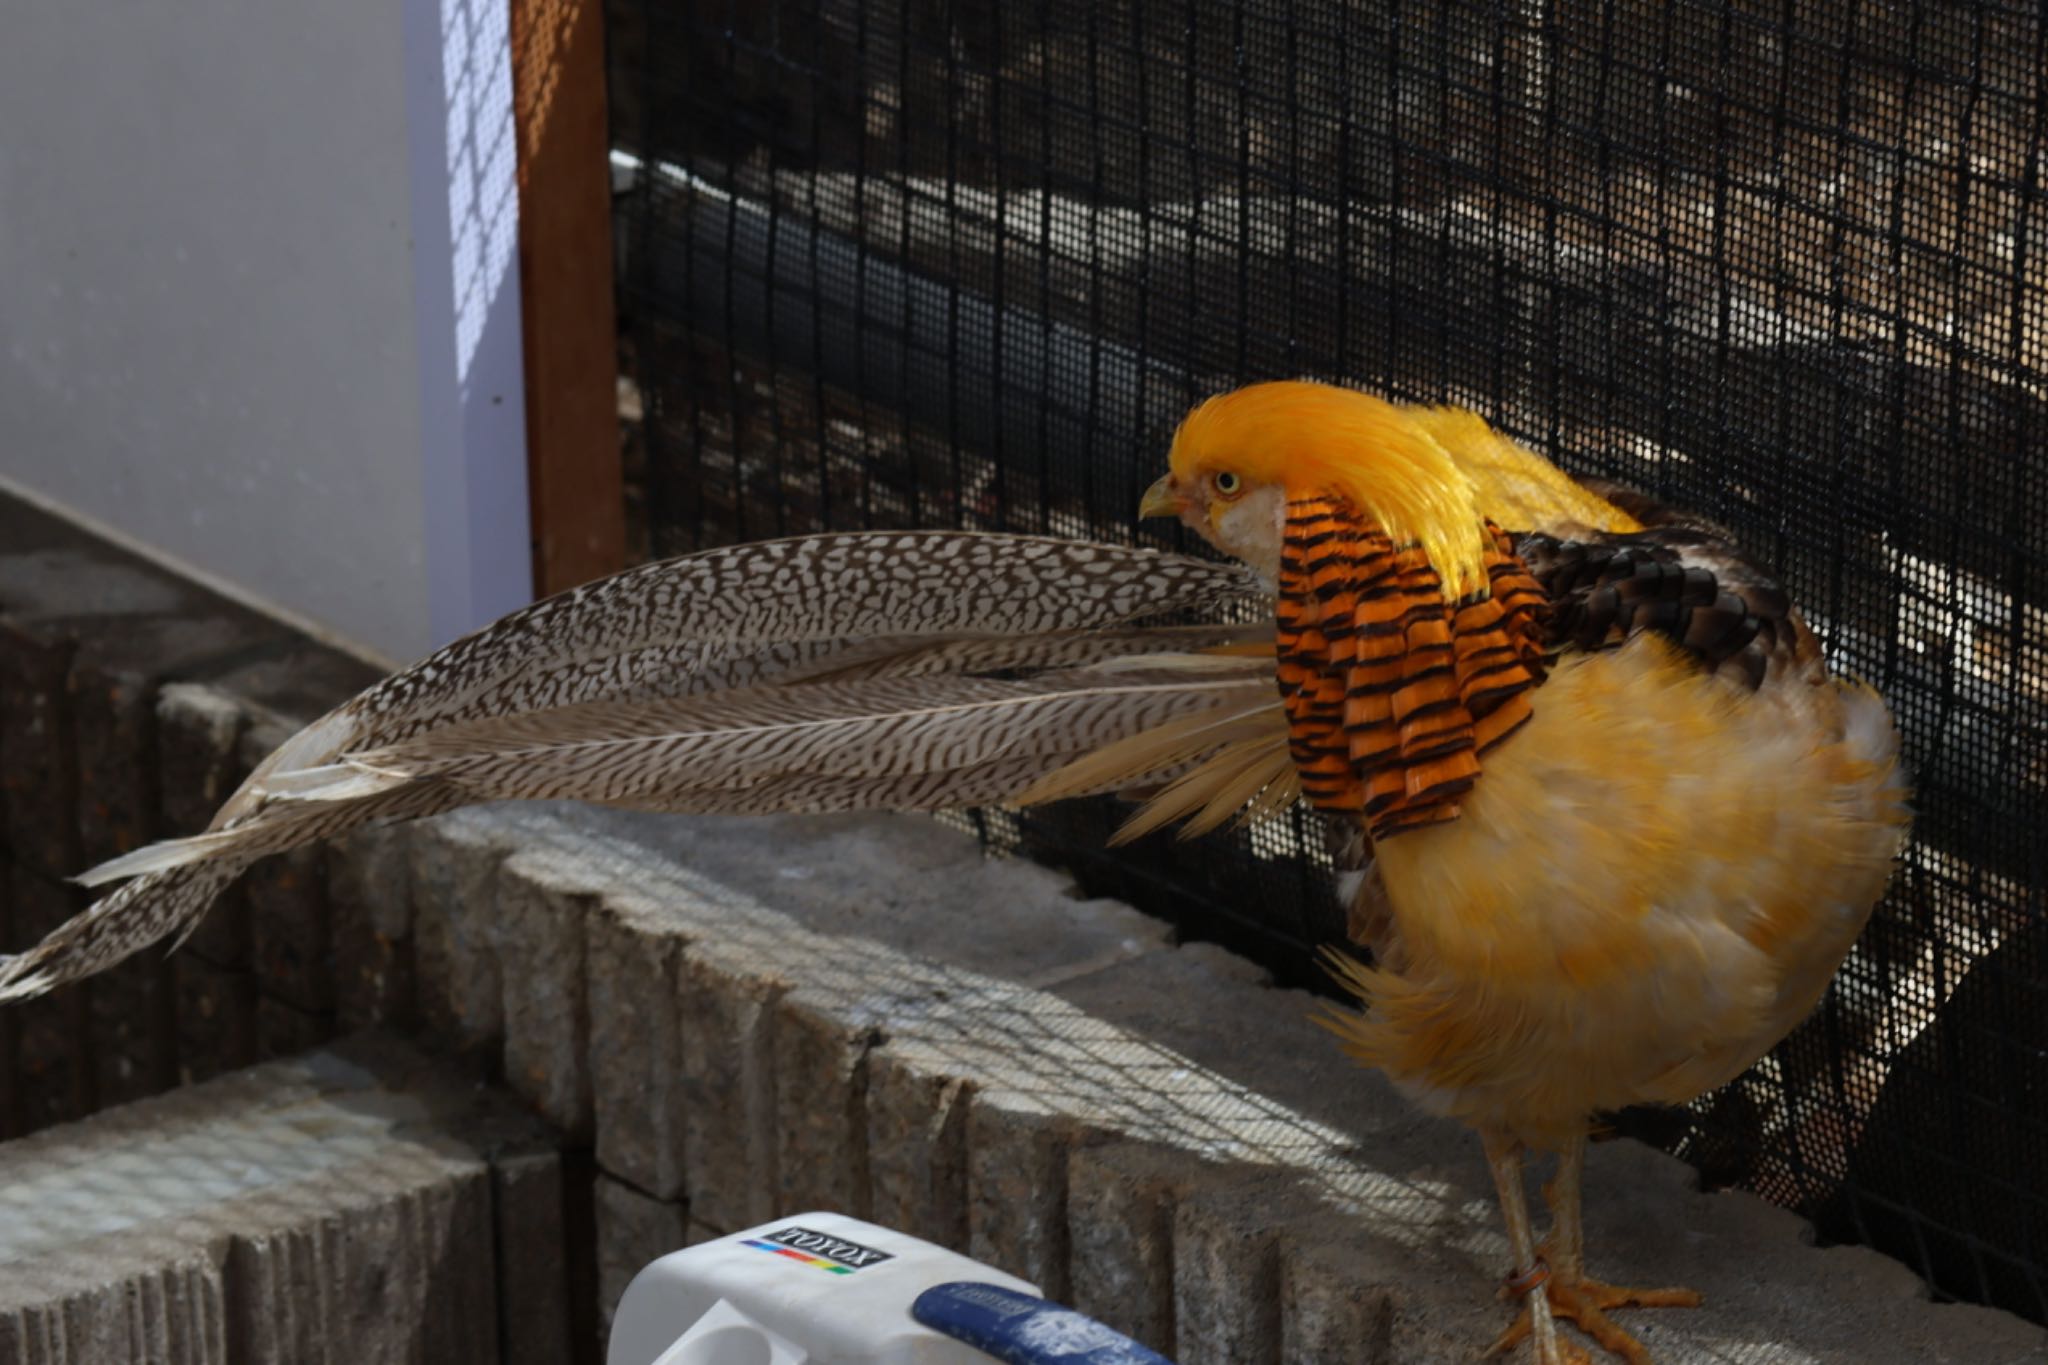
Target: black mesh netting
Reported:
[(909, 263)]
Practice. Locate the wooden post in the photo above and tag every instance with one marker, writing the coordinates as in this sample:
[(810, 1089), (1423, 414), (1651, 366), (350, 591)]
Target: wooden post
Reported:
[(575, 478)]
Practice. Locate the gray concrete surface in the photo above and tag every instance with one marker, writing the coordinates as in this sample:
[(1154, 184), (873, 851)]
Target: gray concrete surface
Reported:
[(339, 1207), (1152, 1130)]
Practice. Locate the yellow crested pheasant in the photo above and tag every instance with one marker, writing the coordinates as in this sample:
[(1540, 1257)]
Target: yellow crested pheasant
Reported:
[(1623, 826), (1615, 825)]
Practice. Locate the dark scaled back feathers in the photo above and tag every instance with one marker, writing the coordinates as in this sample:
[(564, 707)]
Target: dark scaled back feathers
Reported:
[(1680, 577)]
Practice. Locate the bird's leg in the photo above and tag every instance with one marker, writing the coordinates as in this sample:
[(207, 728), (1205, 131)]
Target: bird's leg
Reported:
[(1567, 1241), (1586, 1302), (1527, 1280)]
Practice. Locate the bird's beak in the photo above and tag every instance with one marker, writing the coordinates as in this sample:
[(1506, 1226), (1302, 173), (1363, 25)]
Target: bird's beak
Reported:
[(1162, 499)]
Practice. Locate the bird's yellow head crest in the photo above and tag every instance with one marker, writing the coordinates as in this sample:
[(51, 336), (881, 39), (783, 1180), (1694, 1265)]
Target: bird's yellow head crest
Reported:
[(1240, 457)]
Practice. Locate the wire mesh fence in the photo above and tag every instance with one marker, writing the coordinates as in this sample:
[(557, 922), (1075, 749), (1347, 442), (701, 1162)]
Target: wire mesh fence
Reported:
[(894, 262)]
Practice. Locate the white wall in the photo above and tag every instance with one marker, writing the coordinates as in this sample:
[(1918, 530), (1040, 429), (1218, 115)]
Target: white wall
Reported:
[(259, 302)]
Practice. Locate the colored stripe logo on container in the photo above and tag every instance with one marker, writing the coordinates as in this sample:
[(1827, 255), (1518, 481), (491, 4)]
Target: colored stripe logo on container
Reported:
[(819, 1249), (798, 1256)]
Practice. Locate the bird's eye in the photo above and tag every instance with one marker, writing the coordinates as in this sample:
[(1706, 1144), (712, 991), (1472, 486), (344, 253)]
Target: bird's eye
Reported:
[(1228, 484)]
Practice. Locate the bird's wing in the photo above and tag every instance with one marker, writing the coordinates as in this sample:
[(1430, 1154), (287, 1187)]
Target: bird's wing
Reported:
[(1615, 562), (836, 672), (1682, 578)]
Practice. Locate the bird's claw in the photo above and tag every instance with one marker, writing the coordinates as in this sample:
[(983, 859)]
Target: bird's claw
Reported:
[(1564, 1352), (1585, 1304)]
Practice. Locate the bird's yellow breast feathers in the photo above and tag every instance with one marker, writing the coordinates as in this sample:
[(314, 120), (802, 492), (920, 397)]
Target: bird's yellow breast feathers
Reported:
[(1653, 883)]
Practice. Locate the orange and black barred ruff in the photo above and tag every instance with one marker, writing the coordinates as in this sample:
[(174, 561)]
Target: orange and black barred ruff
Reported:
[(1392, 693)]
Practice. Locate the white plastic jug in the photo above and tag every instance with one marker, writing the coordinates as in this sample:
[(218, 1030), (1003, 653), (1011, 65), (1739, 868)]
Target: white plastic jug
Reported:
[(813, 1289), (825, 1289)]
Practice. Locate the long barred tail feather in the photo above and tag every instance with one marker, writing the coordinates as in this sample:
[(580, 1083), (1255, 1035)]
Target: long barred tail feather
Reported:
[(897, 670), (146, 909), (171, 897), (761, 614)]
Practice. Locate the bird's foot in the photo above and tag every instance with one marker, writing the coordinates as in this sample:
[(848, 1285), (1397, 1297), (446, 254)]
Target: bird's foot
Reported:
[(1585, 1303)]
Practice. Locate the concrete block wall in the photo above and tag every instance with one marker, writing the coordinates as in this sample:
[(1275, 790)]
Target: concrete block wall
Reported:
[(750, 1018), (353, 1204), (725, 1021), (131, 703)]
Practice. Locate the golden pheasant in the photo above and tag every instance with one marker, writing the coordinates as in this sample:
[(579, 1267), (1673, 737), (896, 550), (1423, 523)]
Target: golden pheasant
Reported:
[(1622, 826)]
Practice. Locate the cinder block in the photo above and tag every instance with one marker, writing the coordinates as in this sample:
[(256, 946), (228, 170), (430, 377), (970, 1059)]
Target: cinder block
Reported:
[(1350, 1295), (134, 1028), (820, 1108), (1121, 1198), (291, 935), (39, 781), (199, 755), (134, 1040), (454, 874), (533, 1270), (174, 1315), (369, 896), (282, 1031), (216, 1017), (894, 883), (540, 954), (633, 958), (291, 940), (917, 1149), (328, 1208), (396, 1276), (11, 1119), (55, 1076), (1017, 1187), (67, 596), (113, 711), (121, 659), (633, 1228), (295, 681), (198, 746), (728, 1082), (543, 1222), (1226, 1268)]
